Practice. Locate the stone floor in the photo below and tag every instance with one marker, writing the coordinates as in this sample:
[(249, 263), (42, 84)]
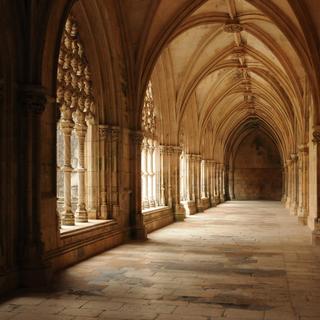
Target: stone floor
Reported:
[(241, 260)]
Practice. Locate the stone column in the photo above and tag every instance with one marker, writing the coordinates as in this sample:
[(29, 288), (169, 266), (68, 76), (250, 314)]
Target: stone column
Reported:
[(284, 184), (188, 177), (316, 215), (216, 185), (66, 126), (231, 182), (81, 131), (289, 182), (197, 182), (34, 270), (221, 182), (163, 174), (136, 219), (114, 159), (174, 178), (303, 185), (144, 164), (294, 179), (103, 133)]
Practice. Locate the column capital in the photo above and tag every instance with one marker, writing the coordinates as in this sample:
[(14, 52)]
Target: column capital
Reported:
[(66, 126), (103, 131), (303, 148), (115, 133), (316, 134), (294, 157), (33, 99)]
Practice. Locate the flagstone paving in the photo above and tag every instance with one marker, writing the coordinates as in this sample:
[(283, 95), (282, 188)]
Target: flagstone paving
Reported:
[(240, 260)]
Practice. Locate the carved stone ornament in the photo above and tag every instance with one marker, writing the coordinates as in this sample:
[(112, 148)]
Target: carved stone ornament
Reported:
[(303, 148), (294, 156), (33, 99), (148, 113), (232, 26), (103, 131), (316, 136), (74, 87)]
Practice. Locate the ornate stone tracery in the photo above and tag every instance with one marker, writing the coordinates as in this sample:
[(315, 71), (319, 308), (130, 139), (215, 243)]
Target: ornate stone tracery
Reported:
[(76, 105)]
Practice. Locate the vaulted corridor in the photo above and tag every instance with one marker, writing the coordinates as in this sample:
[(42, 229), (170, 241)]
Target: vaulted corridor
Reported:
[(240, 260)]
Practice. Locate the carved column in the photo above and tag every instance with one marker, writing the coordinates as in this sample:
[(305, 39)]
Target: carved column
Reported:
[(103, 134), (114, 187), (316, 215), (34, 270), (174, 177), (294, 179), (284, 184), (136, 219), (303, 185), (197, 182), (81, 131), (163, 174), (231, 182), (66, 126), (216, 185), (289, 182)]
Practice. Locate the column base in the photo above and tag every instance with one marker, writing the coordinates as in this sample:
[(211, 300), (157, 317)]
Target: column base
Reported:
[(294, 209), (189, 207), (199, 206), (316, 232), (205, 203), (68, 218), (217, 200), (302, 216), (179, 213), (287, 204), (212, 202), (139, 234), (81, 216)]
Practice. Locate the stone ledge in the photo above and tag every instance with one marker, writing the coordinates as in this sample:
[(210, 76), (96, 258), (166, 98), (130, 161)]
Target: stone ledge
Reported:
[(83, 227)]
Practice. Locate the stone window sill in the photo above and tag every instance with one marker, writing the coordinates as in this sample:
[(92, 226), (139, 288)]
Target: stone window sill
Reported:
[(156, 209), (83, 226)]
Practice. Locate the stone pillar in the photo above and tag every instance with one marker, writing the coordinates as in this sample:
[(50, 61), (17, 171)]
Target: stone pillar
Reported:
[(294, 183), (303, 185), (316, 215), (144, 168), (216, 185), (103, 134), (81, 131), (34, 270), (284, 184), (164, 167), (189, 203), (66, 126), (289, 182), (174, 181), (221, 182), (114, 174), (231, 182), (212, 183), (136, 219), (197, 182)]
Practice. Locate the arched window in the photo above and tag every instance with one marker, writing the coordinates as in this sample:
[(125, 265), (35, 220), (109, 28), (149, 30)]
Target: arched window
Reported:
[(76, 112), (149, 154)]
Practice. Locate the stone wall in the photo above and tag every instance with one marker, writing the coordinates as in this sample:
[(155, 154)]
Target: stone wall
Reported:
[(257, 173)]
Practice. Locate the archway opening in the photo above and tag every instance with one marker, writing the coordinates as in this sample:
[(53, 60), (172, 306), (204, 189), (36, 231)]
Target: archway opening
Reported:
[(257, 172)]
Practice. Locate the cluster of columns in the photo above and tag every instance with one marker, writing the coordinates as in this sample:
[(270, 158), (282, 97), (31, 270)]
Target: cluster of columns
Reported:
[(67, 125), (109, 137), (295, 183), (149, 175), (203, 183)]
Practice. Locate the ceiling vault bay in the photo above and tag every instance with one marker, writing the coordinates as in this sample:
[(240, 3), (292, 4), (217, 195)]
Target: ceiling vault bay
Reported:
[(232, 63)]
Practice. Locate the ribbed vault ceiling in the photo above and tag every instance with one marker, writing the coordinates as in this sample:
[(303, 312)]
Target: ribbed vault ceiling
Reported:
[(236, 65)]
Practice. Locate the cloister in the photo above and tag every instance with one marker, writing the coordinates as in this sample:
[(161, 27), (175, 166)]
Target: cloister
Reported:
[(123, 117)]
